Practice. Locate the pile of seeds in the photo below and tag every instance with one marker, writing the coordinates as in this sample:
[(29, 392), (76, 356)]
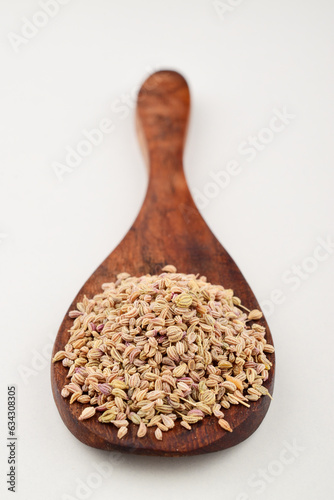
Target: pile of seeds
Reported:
[(154, 349)]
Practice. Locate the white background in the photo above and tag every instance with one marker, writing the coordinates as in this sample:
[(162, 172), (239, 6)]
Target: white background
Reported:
[(241, 65)]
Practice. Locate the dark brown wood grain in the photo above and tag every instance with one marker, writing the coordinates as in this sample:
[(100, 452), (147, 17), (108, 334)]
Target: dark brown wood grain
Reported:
[(168, 230)]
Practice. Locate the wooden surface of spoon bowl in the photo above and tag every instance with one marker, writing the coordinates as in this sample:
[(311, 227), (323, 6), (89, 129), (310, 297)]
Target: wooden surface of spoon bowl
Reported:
[(168, 230)]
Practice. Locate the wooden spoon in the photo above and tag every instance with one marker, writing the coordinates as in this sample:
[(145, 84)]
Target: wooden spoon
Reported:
[(168, 230)]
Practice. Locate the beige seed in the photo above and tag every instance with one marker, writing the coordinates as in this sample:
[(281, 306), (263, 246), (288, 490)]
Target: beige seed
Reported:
[(120, 423), (65, 393), (229, 386), (169, 269), (87, 413), (119, 384), (154, 420), (120, 393), (75, 396), (167, 421), (163, 427), (224, 424), (269, 348), (237, 382), (84, 398), (59, 356), (252, 397), (158, 434), (224, 365), (184, 300), (135, 418), (121, 432), (186, 425), (263, 390), (107, 417), (255, 315), (236, 301), (179, 371), (142, 430)]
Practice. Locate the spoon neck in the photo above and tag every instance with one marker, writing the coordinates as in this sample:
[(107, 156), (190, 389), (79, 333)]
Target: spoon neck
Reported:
[(167, 183)]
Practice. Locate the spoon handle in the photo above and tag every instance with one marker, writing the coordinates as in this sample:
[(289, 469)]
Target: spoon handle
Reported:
[(163, 106)]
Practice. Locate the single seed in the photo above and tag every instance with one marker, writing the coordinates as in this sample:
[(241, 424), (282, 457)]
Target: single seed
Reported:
[(224, 424), (121, 432), (254, 315), (142, 430), (87, 413), (158, 434)]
